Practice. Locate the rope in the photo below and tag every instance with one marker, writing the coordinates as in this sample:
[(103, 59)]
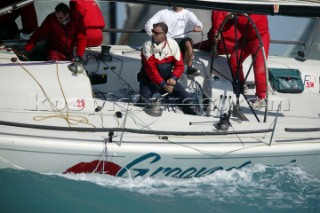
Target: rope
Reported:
[(71, 120), (104, 155), (175, 36)]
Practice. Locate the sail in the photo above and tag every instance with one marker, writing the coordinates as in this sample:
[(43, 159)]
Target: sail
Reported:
[(299, 8), (17, 5)]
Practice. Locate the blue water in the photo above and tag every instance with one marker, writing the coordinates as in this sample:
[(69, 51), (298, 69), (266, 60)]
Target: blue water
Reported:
[(257, 188)]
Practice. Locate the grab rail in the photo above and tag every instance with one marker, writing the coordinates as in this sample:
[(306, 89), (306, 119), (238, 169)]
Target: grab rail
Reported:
[(302, 43), (138, 131)]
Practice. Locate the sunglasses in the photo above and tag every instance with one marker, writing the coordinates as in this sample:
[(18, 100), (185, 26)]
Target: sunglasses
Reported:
[(156, 33), (60, 17)]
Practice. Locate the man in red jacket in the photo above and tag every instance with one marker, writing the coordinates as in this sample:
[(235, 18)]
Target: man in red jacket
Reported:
[(92, 18), (251, 48), (63, 31)]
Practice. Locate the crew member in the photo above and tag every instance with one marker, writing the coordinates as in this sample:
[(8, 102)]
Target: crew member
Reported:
[(63, 31), (179, 21), (162, 67), (251, 48)]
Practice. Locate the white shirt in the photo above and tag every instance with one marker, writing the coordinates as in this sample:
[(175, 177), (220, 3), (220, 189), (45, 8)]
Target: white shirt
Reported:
[(178, 22)]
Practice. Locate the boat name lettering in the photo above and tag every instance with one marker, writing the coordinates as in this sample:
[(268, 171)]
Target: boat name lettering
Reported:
[(136, 168)]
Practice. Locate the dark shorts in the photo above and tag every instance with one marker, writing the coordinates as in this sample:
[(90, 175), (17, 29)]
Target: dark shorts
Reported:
[(182, 43)]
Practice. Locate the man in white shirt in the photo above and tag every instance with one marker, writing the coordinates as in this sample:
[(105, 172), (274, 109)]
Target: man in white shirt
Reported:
[(180, 21)]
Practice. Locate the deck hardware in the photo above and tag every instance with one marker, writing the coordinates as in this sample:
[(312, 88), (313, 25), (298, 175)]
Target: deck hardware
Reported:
[(105, 54), (154, 109), (224, 123), (76, 67), (111, 134), (163, 137), (118, 114)]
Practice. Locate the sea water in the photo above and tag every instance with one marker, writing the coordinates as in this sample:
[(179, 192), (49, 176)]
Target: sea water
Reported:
[(257, 188)]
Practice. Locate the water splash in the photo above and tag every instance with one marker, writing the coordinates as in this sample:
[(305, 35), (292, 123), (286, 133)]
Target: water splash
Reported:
[(255, 188), (282, 187)]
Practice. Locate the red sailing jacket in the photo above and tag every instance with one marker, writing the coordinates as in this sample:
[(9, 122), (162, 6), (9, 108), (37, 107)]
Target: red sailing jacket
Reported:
[(61, 38), (159, 62), (92, 18)]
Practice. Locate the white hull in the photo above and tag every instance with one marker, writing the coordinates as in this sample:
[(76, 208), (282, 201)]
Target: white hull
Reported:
[(139, 157)]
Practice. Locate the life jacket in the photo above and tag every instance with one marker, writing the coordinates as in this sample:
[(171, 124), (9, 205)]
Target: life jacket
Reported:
[(92, 18)]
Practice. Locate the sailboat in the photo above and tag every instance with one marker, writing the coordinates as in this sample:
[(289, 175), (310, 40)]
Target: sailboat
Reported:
[(85, 116)]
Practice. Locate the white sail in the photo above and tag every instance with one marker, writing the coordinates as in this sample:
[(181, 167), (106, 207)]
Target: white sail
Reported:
[(301, 8)]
